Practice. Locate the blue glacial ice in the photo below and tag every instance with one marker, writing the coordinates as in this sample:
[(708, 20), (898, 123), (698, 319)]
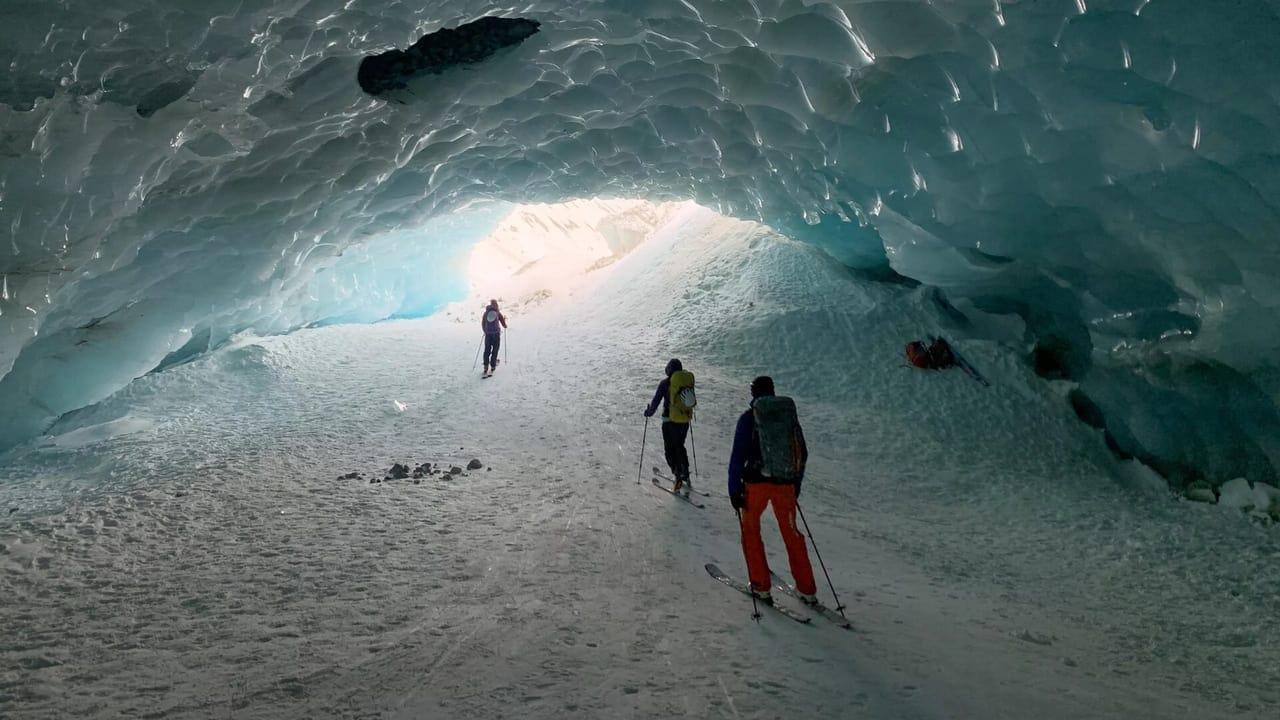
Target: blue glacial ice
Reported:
[(1092, 184)]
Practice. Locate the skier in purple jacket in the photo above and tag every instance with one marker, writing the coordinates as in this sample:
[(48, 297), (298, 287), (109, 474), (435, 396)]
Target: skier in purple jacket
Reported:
[(492, 322)]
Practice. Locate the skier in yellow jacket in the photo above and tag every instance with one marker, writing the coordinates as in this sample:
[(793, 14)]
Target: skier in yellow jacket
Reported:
[(675, 394)]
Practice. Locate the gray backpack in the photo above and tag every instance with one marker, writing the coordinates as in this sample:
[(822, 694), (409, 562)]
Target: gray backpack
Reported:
[(777, 430)]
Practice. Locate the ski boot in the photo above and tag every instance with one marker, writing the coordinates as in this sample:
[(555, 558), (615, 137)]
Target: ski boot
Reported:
[(763, 596), (809, 600)]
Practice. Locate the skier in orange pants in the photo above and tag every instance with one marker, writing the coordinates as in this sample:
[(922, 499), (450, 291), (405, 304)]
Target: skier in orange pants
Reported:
[(766, 467)]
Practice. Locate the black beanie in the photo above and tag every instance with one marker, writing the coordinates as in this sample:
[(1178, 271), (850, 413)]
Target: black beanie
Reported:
[(762, 386)]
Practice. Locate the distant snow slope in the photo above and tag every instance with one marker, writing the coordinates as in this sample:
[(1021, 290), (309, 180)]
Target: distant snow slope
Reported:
[(188, 551), (542, 251)]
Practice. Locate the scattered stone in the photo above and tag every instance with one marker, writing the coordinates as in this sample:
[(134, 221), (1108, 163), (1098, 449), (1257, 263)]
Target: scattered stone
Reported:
[(1068, 662), (455, 470), (349, 476), (13, 510), (417, 481), (1201, 491), (488, 469), (474, 464), (1031, 637), (422, 471), (398, 471)]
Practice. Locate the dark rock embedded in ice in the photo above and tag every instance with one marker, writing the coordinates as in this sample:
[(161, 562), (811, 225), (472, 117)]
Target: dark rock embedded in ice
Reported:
[(398, 471), (475, 464), (163, 95), (438, 51), (349, 476), (455, 470)]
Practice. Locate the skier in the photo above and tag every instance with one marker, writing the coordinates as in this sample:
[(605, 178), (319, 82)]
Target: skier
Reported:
[(489, 323), (675, 392), (766, 467)]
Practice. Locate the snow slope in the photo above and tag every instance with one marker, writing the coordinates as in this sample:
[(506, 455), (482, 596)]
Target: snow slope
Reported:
[(184, 550)]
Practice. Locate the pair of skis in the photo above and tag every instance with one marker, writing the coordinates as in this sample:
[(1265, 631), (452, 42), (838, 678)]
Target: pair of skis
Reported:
[(658, 473), (834, 615), (658, 482)]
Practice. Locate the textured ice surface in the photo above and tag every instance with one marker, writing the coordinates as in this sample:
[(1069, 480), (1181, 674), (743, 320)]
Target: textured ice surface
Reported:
[(1092, 183)]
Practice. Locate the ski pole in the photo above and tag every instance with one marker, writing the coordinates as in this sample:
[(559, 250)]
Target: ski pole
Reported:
[(839, 606), (694, 447), (643, 437), (506, 334), (755, 609), (473, 362)]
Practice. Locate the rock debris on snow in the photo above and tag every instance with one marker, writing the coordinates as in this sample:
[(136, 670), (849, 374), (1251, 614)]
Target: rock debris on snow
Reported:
[(474, 464), (398, 471), (1031, 637)]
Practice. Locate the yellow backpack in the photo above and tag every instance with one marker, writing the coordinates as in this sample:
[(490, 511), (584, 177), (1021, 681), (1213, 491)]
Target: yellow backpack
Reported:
[(681, 399)]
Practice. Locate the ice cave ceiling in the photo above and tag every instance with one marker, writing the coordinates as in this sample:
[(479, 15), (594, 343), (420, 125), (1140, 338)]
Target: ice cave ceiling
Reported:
[(1094, 183)]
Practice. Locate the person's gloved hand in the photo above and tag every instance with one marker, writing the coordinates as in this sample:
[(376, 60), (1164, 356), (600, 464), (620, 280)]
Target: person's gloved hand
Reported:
[(738, 500), (648, 412)]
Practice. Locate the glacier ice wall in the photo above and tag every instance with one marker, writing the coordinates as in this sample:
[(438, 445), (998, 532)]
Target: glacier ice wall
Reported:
[(1092, 182)]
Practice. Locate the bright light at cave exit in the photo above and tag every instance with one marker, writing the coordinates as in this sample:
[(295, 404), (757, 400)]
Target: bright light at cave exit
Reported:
[(542, 251)]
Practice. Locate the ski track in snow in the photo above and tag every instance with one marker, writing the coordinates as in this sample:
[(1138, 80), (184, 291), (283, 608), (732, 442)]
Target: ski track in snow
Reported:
[(207, 563)]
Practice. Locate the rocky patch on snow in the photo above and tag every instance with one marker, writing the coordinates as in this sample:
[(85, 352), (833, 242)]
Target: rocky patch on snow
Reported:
[(407, 471)]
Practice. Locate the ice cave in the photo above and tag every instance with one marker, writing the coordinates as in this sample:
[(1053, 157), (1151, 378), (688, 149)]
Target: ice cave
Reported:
[(252, 253)]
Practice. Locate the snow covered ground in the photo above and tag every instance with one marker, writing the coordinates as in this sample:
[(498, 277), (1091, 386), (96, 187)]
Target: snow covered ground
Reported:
[(184, 549)]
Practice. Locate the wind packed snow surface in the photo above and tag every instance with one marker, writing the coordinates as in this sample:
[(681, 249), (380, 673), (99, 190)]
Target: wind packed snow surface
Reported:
[(1091, 183), (195, 547)]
